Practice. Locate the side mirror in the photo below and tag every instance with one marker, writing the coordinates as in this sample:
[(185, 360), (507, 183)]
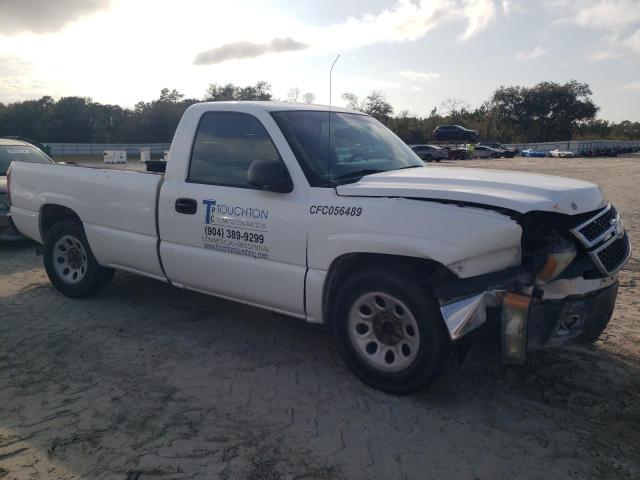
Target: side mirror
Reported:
[(269, 175)]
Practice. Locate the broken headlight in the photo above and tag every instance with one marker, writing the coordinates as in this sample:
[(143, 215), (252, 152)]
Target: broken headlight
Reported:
[(560, 254)]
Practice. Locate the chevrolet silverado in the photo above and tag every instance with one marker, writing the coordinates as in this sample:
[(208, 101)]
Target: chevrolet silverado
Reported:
[(325, 215)]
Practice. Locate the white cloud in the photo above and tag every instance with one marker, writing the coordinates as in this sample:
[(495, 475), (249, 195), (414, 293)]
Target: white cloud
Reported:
[(413, 75), (632, 86), (511, 7), (240, 50), (44, 15), (479, 14), (406, 21), (416, 88), (604, 54), (604, 14), (633, 41), (619, 20), (17, 80), (532, 54)]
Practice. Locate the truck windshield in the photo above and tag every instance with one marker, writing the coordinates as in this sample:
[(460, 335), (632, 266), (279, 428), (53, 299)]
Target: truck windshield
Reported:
[(358, 145), (20, 153)]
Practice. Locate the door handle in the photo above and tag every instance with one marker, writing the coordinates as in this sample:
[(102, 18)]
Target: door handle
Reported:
[(188, 206)]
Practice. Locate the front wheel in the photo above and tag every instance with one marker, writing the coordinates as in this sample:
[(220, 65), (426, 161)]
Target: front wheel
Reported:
[(389, 330), (69, 262)]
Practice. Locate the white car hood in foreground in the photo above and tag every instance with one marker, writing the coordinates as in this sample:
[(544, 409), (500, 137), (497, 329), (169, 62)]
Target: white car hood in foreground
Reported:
[(519, 191)]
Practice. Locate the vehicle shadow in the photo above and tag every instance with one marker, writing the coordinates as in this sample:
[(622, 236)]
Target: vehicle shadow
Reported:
[(13, 258)]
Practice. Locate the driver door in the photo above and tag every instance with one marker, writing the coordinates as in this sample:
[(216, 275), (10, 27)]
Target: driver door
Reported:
[(224, 237)]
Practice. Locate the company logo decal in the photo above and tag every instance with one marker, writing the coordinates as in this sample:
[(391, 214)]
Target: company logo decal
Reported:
[(236, 229)]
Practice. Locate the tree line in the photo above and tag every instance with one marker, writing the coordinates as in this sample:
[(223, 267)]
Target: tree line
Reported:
[(547, 111)]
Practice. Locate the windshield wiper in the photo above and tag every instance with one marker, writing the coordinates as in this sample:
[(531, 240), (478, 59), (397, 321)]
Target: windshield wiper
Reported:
[(356, 175)]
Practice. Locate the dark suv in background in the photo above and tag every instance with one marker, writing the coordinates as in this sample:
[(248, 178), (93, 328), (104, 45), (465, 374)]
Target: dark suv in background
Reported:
[(455, 133)]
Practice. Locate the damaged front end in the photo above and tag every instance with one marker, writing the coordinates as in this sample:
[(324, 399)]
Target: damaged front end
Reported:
[(564, 288)]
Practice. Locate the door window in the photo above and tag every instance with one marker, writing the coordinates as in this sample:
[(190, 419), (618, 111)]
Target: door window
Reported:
[(225, 145)]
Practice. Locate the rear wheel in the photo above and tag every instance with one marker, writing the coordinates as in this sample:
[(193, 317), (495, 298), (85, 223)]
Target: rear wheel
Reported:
[(70, 264), (389, 330)]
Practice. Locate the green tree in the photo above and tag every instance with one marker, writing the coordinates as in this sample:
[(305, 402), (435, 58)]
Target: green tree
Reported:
[(375, 104), (545, 112), (261, 91)]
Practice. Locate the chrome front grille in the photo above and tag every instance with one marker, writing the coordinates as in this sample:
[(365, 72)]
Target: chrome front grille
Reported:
[(613, 254), (598, 228), (599, 225), (604, 238)]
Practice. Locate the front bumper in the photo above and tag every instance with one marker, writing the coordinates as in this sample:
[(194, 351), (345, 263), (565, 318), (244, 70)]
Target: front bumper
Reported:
[(550, 323)]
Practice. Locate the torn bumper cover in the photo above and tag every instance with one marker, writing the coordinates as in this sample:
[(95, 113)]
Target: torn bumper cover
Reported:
[(565, 290), (511, 325)]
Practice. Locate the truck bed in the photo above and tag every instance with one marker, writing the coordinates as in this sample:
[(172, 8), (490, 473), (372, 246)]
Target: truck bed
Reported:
[(117, 208)]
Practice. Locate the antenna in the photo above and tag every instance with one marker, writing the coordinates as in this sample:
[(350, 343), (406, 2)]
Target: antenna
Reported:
[(330, 92), (331, 78)]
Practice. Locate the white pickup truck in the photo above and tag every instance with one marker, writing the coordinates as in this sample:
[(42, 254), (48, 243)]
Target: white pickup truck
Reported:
[(327, 216)]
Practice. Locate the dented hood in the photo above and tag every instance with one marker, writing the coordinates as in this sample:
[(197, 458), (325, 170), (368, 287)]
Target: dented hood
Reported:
[(519, 191)]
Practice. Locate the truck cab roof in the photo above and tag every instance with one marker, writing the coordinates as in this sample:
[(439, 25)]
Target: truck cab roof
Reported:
[(270, 107)]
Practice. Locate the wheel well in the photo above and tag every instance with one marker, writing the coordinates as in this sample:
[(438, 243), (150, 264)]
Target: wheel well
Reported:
[(343, 266), (52, 214)]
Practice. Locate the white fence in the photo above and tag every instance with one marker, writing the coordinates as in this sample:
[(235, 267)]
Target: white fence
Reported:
[(577, 146), (96, 149), (159, 148)]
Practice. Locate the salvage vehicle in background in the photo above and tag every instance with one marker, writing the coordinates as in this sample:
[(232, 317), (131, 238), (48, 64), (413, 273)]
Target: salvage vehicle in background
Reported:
[(458, 153), (455, 133), (505, 151), (12, 150), (430, 153), (482, 151), (561, 154), (533, 153), (410, 265)]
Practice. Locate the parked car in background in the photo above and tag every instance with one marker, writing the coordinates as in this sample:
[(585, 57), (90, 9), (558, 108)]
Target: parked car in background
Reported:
[(485, 152), (42, 146), (458, 153), (430, 153), (606, 152), (455, 133), (505, 151), (19, 151), (561, 154), (533, 153)]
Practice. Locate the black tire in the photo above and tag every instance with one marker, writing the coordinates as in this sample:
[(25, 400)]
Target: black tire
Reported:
[(434, 343), (95, 278), (427, 158), (438, 160)]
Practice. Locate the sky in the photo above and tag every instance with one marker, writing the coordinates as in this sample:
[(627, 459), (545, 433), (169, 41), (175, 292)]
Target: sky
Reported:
[(418, 52)]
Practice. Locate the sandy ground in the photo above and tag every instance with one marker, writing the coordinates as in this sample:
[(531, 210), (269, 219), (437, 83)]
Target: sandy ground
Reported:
[(147, 381)]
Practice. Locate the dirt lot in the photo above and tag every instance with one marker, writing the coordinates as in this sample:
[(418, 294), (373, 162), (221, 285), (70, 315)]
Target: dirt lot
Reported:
[(146, 381)]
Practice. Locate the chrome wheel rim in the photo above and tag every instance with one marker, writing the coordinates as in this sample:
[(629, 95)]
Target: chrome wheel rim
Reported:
[(70, 259), (383, 332)]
